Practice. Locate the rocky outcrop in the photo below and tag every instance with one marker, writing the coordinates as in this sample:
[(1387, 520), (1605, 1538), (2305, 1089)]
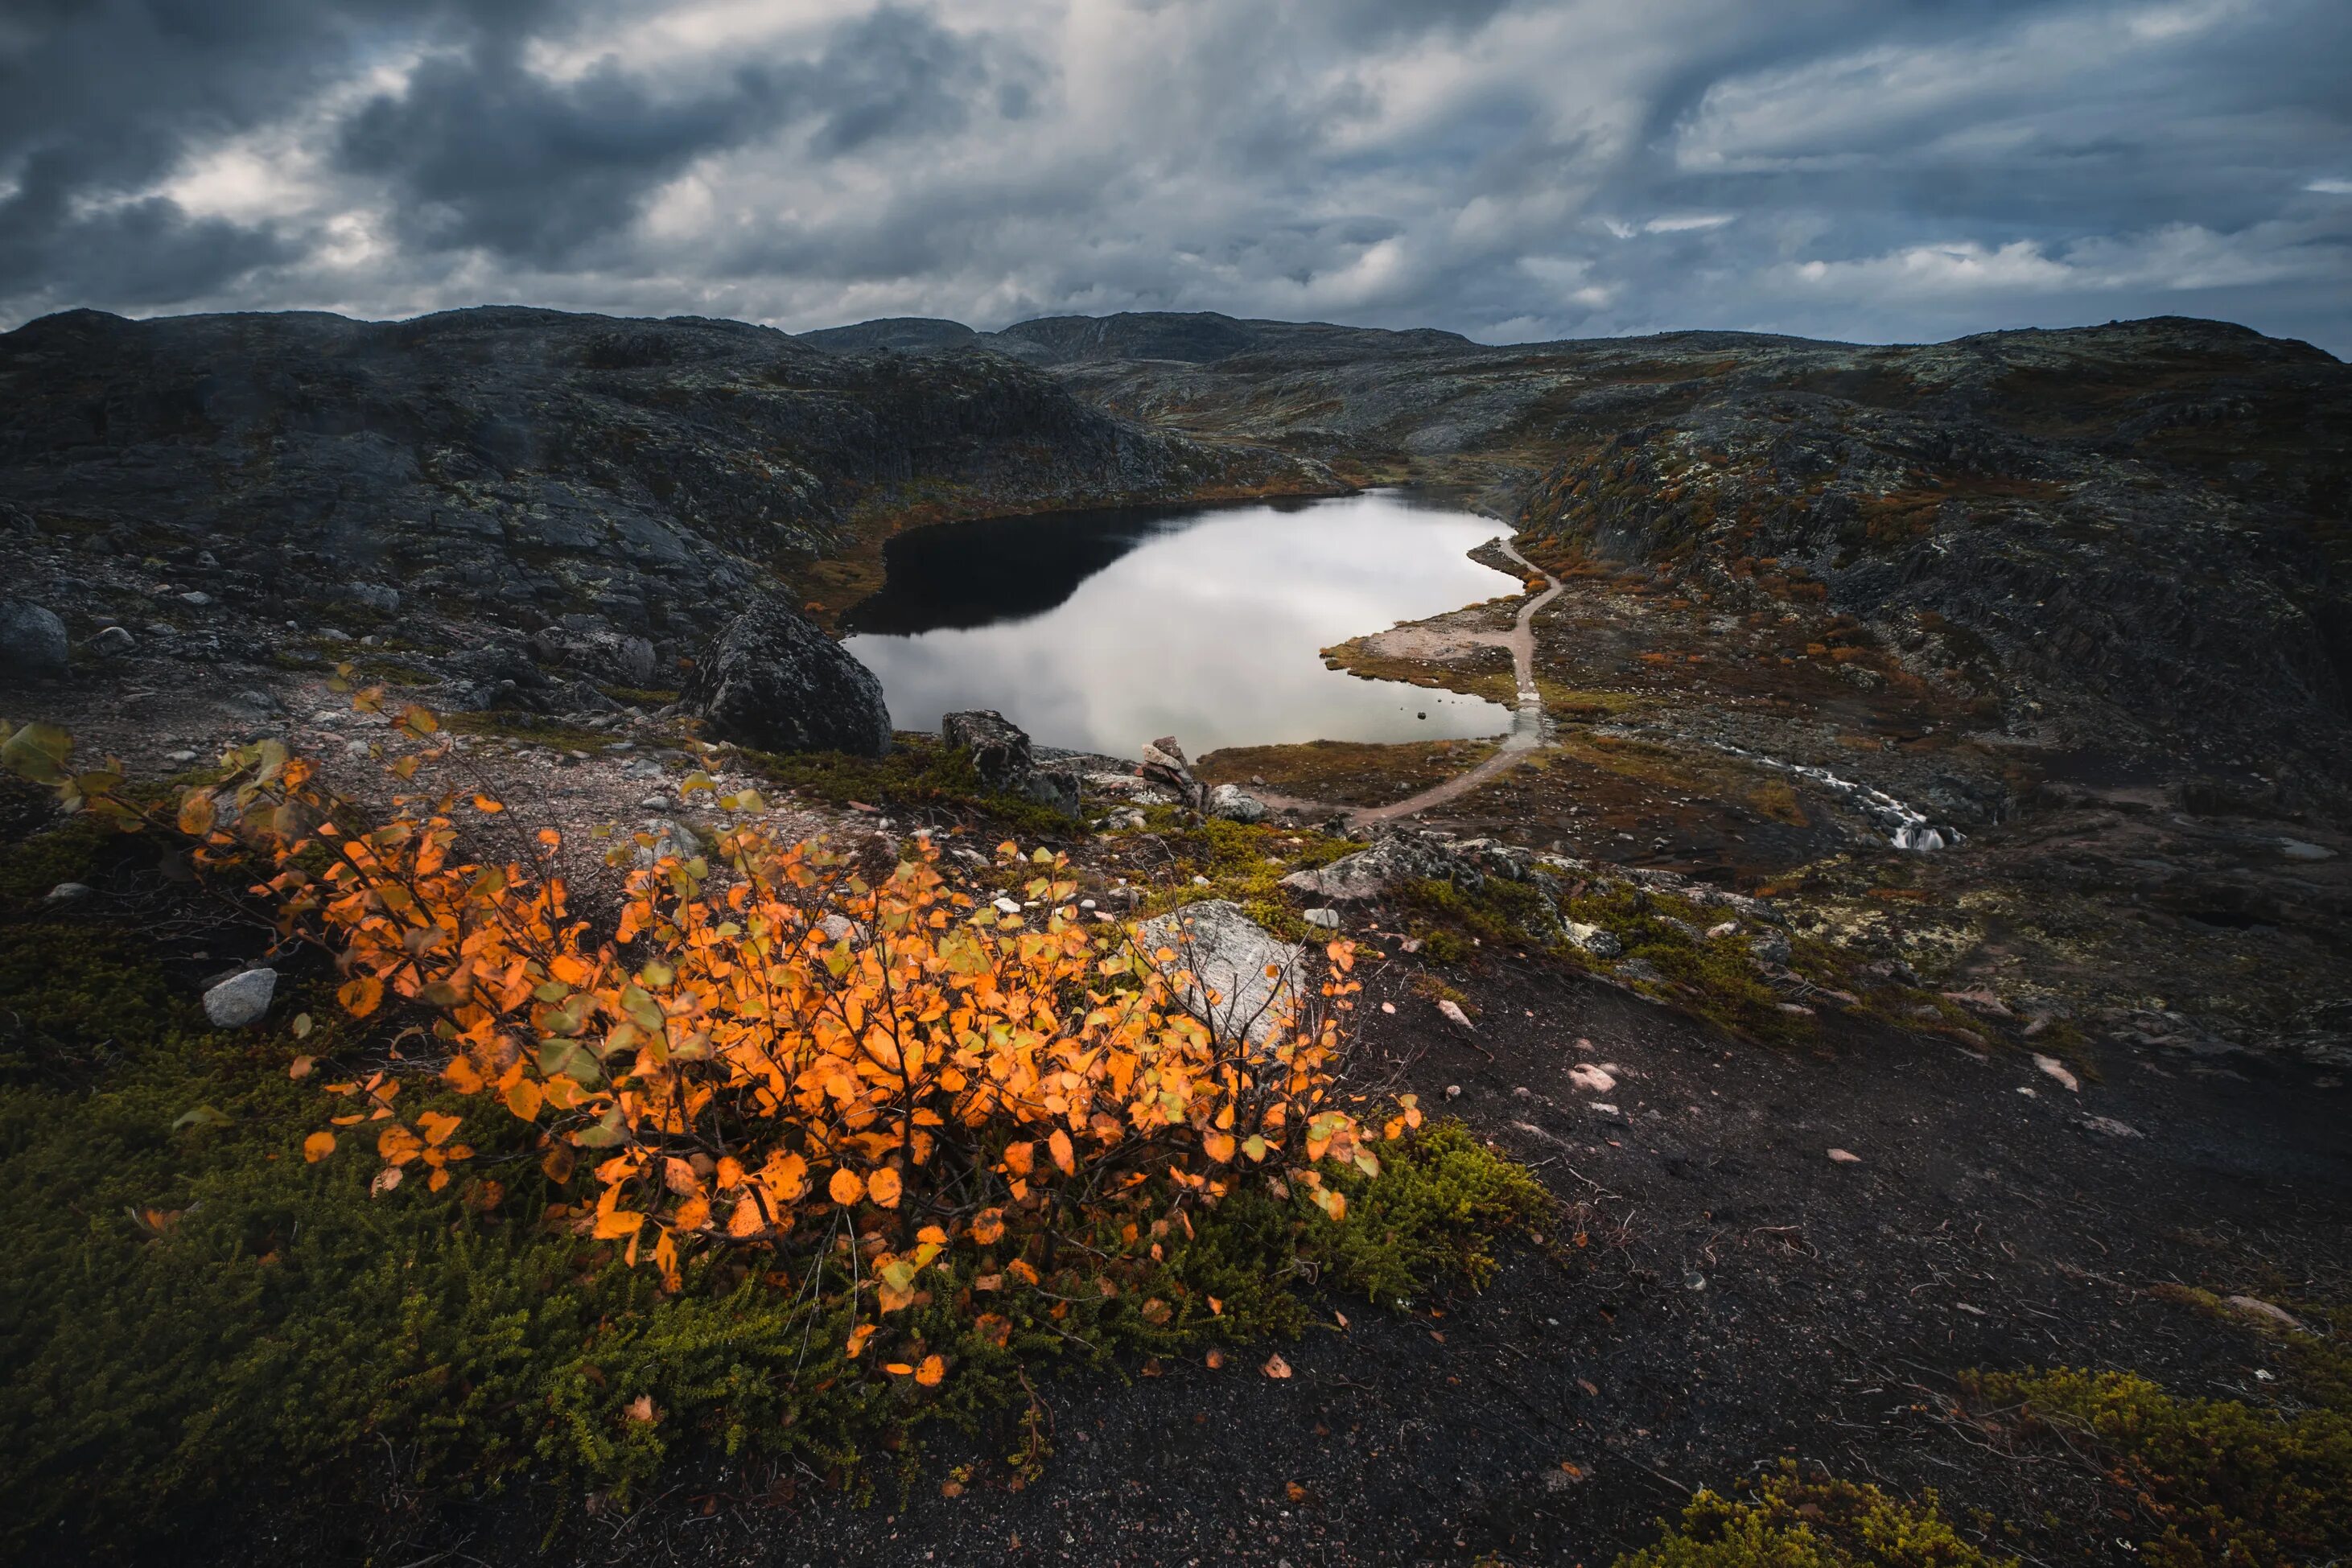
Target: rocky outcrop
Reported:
[(479, 475), (773, 681), (1001, 754)]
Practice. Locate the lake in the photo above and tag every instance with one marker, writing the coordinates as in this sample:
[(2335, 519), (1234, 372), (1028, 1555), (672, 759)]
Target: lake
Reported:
[(1099, 630)]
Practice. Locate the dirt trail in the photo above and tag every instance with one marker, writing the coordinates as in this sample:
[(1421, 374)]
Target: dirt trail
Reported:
[(1527, 720)]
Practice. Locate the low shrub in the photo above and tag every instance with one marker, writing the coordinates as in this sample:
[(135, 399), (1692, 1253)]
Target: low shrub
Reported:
[(1790, 1520)]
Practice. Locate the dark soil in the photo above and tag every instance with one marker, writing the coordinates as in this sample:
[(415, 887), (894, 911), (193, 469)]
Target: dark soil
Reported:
[(1742, 1297)]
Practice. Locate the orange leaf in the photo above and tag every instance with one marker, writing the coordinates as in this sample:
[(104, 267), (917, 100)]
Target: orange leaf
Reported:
[(858, 1338), (299, 1067), (846, 1188), (463, 1076), (1020, 1157), (318, 1146), (988, 1227), (1275, 1367), (523, 1099), (360, 996), (884, 1186), (898, 1369), (1219, 1146), (1065, 1157), (934, 1368), (484, 803)]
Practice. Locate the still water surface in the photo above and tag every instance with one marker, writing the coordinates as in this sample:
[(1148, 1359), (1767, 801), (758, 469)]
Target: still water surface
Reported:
[(1099, 631)]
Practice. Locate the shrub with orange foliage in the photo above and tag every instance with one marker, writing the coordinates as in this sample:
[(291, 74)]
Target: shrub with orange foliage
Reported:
[(767, 1041)]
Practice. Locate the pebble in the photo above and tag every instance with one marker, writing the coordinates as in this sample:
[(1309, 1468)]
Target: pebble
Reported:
[(241, 999), (67, 893), (1454, 1092), (1845, 1157), (2051, 1065), (198, 597), (1586, 1076), (180, 756), (1327, 919), (1008, 906), (114, 640), (2300, 850)]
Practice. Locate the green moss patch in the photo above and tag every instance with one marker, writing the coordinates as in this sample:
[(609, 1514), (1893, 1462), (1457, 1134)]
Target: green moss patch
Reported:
[(919, 773), (1790, 1520), (1346, 772)]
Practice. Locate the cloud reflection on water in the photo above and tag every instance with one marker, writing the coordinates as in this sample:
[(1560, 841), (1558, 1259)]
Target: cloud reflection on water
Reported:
[(1211, 630)]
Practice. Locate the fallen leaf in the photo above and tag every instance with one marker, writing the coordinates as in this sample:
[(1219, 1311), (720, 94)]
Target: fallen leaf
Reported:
[(641, 1408), (2056, 1069), (299, 1067), (1275, 1367), (1215, 1358)]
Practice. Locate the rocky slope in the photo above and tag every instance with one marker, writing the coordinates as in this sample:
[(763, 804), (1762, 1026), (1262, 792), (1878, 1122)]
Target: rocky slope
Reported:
[(2133, 538), (517, 471)]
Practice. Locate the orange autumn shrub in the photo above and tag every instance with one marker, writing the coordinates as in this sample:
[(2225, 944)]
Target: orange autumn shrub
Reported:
[(767, 1040)]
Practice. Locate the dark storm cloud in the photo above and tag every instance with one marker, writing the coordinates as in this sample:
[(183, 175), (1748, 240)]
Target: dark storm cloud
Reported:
[(1510, 168)]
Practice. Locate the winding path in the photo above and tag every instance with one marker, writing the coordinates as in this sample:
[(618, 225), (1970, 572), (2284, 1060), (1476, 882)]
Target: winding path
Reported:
[(1527, 719)]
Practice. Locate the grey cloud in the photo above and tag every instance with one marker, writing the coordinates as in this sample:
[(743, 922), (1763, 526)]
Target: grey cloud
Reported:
[(1511, 168)]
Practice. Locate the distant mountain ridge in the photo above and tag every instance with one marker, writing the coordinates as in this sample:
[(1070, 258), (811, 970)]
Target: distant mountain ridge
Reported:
[(1196, 336)]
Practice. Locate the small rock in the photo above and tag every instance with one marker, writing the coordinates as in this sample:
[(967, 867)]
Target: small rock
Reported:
[(241, 999), (1771, 948), (1454, 1013), (377, 596), (1584, 1075), (2111, 1127), (2056, 1069), (1005, 905), (1845, 1157), (67, 893), (196, 597), (115, 641), (2302, 850), (998, 747), (837, 928), (1454, 1092), (32, 640), (1328, 919), (1725, 930), (183, 756)]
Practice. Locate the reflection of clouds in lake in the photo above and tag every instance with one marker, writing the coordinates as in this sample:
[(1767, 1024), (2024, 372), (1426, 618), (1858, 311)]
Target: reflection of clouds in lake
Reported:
[(1213, 633)]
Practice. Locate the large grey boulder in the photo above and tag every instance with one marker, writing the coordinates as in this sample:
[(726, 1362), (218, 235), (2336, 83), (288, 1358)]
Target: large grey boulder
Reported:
[(772, 680), (1235, 804), (1227, 954), (32, 640), (241, 999)]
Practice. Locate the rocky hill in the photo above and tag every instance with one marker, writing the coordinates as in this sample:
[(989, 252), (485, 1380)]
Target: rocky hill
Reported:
[(525, 469), (2133, 537)]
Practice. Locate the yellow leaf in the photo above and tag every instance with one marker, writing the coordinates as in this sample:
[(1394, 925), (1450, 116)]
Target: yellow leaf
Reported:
[(523, 1099), (318, 1146)]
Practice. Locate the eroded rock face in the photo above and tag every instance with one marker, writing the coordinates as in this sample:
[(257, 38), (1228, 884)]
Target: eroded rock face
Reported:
[(772, 680)]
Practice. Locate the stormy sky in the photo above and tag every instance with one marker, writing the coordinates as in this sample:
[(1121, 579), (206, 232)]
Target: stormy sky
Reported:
[(1860, 168)]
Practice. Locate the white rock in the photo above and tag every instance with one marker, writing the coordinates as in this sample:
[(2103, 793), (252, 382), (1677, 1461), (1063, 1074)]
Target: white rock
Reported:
[(1235, 804), (1586, 1076), (1227, 954), (241, 999), (2111, 1127), (1454, 1013), (2056, 1069), (1329, 919), (1843, 1157), (1007, 906), (2302, 849), (67, 893)]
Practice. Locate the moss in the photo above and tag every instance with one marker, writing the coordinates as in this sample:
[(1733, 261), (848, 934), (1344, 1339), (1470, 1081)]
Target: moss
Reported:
[(1243, 861), (1346, 772), (919, 773), (2226, 1481), (508, 724), (1713, 978), (1790, 1520)]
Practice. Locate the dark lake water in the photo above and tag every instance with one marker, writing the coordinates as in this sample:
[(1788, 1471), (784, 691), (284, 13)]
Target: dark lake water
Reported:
[(1099, 631)]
